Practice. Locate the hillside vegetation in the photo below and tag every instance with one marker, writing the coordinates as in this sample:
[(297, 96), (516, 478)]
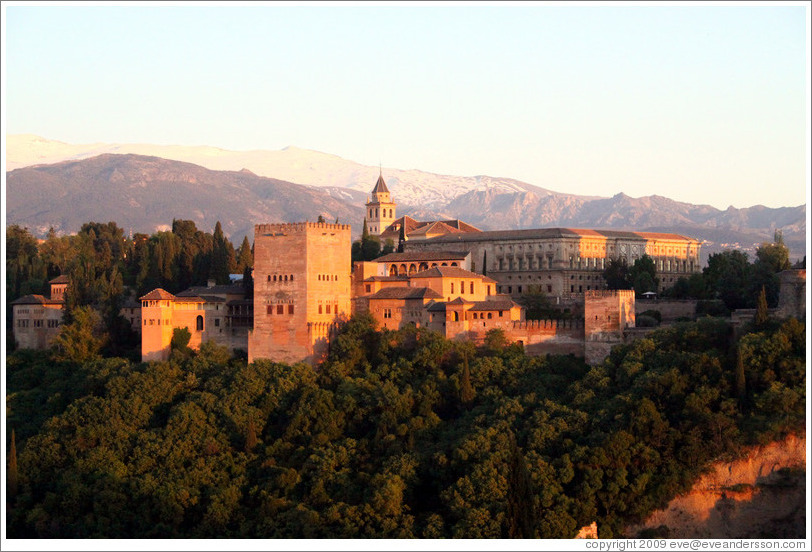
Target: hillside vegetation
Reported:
[(397, 434)]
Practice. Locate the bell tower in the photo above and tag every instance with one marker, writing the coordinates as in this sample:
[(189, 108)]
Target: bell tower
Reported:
[(380, 208)]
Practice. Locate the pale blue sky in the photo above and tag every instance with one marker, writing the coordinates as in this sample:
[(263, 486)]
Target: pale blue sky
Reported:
[(701, 104)]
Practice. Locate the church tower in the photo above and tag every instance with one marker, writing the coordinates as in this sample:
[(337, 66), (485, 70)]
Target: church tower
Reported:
[(380, 209)]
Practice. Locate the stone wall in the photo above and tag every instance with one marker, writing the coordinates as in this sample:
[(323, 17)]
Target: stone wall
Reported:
[(670, 309)]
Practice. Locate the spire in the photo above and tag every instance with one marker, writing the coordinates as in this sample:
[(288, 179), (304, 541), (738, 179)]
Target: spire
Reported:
[(380, 186)]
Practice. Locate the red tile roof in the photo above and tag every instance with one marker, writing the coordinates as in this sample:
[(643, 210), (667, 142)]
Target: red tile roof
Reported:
[(61, 279), (158, 294), (451, 272), (407, 256), (405, 293)]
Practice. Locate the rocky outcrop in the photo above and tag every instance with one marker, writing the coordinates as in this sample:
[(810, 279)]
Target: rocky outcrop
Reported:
[(761, 495)]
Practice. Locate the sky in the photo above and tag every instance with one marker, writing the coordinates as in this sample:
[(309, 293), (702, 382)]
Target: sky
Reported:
[(700, 103)]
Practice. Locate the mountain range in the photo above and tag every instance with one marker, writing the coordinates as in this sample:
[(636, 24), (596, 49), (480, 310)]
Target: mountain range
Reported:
[(143, 187)]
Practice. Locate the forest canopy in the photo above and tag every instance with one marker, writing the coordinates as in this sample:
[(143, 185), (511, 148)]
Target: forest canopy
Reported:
[(398, 434)]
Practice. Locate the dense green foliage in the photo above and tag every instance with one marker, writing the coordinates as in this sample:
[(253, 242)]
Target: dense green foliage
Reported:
[(369, 247), (733, 279), (105, 268), (396, 434)]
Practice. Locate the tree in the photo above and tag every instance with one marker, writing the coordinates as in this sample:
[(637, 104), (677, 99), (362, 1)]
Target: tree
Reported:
[(616, 274), (180, 340), (12, 475), (81, 340), (245, 258), (250, 436), (536, 303), (741, 384), (466, 389), (520, 507), (321, 219), (222, 257), (761, 309), (643, 275), (727, 277)]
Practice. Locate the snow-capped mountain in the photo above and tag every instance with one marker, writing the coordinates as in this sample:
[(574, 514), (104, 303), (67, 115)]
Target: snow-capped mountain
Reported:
[(412, 188)]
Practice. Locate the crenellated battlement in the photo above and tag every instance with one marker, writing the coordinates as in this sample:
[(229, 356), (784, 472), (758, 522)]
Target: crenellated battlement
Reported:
[(604, 293), (296, 227)]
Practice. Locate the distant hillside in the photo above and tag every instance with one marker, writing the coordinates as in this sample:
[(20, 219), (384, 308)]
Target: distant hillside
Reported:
[(487, 202), (145, 194)]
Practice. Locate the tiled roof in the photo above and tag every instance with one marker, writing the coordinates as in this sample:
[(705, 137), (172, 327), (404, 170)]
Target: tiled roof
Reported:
[(544, 233), (451, 272), (30, 300), (458, 301), (61, 279), (158, 294), (405, 293), (498, 304), (212, 299), (418, 228), (398, 278), (380, 186), (437, 307), (422, 256)]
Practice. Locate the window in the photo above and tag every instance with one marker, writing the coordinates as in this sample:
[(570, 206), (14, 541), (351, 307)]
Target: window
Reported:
[(280, 309), (270, 309), (369, 288), (452, 287), (500, 314), (387, 313), (472, 288), (328, 309), (199, 323), (290, 309), (549, 288), (216, 322), (319, 309), (490, 315)]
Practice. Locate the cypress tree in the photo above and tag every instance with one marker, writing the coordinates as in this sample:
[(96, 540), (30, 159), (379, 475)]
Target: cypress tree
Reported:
[(365, 232), (520, 508), (466, 389), (12, 475), (250, 436), (761, 308), (741, 384)]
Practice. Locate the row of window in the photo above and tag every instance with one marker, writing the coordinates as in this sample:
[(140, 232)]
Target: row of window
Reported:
[(280, 278), (328, 277), (38, 323), (166, 322), (279, 308), (328, 308), (373, 213), (462, 287), (394, 270)]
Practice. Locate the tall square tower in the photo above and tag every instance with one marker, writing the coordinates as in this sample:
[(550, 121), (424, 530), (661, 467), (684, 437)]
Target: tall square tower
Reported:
[(302, 289)]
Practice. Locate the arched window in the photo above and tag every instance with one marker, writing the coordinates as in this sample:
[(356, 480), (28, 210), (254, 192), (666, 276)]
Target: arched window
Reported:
[(454, 264), (423, 266), (412, 268), (456, 316), (393, 270), (403, 269), (199, 323)]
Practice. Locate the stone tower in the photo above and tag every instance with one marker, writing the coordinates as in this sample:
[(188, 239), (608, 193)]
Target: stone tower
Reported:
[(302, 289), (380, 208), (607, 313)]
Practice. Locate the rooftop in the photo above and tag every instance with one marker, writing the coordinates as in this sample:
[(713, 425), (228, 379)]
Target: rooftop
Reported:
[(545, 233), (158, 294), (422, 256), (451, 272), (405, 293)]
